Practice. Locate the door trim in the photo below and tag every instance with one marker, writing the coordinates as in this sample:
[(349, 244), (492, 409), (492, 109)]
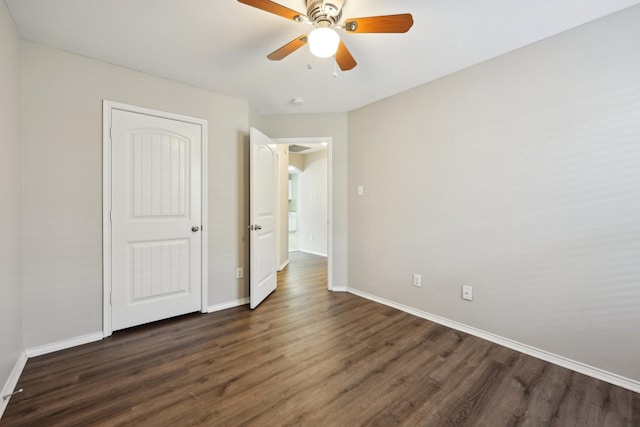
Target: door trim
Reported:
[(329, 141), (107, 108)]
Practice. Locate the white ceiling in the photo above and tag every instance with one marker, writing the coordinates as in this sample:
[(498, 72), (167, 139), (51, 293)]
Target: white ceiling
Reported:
[(221, 45)]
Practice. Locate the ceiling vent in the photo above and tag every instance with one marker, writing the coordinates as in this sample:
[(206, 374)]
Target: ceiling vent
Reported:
[(298, 148)]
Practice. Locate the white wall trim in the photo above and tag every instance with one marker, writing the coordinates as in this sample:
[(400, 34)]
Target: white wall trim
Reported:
[(106, 218), (107, 108), (63, 345), (12, 381), (313, 253), (229, 304), (340, 289), (576, 366), (284, 264)]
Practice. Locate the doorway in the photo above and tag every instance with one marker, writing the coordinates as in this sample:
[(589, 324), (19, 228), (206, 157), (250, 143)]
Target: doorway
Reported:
[(305, 199)]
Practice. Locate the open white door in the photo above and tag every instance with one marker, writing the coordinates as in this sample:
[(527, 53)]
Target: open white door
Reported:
[(263, 170)]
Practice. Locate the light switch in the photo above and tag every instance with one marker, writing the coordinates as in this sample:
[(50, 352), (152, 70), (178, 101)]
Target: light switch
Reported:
[(361, 190)]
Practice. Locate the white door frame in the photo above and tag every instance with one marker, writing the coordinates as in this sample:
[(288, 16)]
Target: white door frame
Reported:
[(329, 141), (107, 108)]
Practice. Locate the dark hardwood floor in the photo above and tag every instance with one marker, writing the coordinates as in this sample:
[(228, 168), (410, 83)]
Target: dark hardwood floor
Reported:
[(307, 357)]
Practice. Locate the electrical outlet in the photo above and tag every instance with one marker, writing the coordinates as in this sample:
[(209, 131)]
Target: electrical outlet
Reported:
[(310, 236), (239, 273), (417, 280), (467, 293)]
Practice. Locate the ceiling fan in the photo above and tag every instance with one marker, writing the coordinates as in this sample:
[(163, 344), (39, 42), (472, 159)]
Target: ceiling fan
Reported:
[(325, 16)]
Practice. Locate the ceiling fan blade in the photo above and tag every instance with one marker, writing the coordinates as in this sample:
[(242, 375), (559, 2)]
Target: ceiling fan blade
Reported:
[(273, 7), (288, 48), (380, 24), (344, 59)]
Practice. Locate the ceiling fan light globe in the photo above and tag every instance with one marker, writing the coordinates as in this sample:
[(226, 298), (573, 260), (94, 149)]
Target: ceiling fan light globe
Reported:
[(323, 42)]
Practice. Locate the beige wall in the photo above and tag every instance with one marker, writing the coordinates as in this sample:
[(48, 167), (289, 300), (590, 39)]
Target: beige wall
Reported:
[(62, 111), (319, 125), (521, 177), (11, 342), (297, 160)]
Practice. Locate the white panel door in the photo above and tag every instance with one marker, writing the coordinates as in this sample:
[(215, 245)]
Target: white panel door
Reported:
[(263, 180), (156, 218)]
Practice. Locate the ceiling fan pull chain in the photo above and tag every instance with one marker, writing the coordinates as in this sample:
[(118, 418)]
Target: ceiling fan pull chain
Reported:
[(335, 69)]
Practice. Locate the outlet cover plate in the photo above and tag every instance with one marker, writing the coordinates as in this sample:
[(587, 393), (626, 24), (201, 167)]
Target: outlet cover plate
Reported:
[(467, 293), (417, 280)]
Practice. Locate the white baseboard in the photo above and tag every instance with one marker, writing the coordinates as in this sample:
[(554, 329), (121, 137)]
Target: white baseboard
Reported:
[(85, 339), (229, 304), (582, 368), (340, 289), (284, 264), (313, 253), (62, 345), (12, 381)]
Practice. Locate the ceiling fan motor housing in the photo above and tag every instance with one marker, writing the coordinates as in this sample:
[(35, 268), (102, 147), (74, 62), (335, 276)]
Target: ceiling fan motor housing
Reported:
[(323, 10)]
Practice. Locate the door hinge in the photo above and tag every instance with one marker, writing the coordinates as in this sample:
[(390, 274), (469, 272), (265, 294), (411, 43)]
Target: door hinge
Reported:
[(110, 133), (110, 217), (111, 298)]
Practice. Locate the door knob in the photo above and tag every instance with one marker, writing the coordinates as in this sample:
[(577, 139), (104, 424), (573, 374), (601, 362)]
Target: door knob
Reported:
[(258, 227), (195, 228)]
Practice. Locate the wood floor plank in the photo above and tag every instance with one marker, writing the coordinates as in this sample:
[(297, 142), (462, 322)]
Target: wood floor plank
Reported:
[(308, 357)]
